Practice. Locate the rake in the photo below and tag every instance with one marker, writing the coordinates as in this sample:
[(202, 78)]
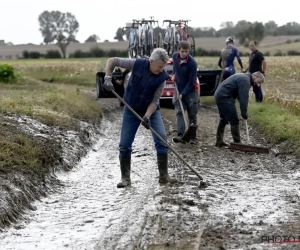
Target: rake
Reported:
[(247, 147)]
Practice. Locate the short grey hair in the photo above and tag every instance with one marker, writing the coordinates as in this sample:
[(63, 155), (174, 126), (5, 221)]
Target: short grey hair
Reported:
[(259, 75), (159, 54)]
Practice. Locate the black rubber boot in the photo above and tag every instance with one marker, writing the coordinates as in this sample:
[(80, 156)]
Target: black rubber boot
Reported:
[(235, 131), (193, 133), (125, 164), (220, 135), (162, 161)]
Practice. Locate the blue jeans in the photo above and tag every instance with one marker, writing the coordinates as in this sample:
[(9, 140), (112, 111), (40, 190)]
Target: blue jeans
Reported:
[(258, 93), (228, 113), (130, 125), (189, 103)]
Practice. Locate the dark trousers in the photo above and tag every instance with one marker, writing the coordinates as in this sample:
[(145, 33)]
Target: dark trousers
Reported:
[(258, 93), (228, 113), (130, 125), (189, 103)]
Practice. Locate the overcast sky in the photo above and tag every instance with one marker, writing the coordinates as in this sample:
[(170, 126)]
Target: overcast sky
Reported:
[(19, 18)]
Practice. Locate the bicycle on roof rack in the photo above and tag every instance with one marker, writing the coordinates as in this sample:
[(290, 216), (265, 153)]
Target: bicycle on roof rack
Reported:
[(133, 41), (177, 31), (141, 41), (183, 30)]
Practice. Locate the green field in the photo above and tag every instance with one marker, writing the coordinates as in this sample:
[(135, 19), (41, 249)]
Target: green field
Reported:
[(54, 89)]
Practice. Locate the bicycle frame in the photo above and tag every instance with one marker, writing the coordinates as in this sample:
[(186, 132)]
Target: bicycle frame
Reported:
[(183, 29)]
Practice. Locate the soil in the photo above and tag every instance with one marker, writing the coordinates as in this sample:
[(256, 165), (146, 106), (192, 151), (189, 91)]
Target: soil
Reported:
[(250, 197)]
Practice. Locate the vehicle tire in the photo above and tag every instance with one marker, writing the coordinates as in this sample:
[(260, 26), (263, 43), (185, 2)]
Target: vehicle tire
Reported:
[(159, 41), (191, 41), (101, 92), (150, 43)]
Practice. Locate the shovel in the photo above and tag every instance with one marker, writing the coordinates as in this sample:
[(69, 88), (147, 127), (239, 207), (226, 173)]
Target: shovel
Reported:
[(202, 183), (186, 136), (247, 147)]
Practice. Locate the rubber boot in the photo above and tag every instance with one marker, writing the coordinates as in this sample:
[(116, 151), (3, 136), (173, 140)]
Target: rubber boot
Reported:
[(220, 135), (125, 165), (235, 131), (162, 161), (193, 133)]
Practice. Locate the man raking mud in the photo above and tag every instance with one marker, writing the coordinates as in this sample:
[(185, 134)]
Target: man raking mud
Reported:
[(143, 92), (236, 86)]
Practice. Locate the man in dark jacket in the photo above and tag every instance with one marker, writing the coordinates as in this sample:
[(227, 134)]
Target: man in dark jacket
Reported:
[(236, 86), (185, 75), (143, 92), (257, 62)]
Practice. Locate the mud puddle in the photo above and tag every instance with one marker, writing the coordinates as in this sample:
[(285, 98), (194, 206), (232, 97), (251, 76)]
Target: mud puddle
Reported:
[(250, 196)]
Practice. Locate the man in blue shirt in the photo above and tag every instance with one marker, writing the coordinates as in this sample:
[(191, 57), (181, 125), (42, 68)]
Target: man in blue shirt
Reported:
[(142, 93), (185, 73), (226, 61)]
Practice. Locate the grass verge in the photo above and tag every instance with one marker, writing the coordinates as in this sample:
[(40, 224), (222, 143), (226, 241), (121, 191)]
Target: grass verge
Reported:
[(277, 123), (52, 104)]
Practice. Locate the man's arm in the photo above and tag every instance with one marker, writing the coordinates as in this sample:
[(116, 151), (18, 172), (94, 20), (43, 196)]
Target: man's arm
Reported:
[(191, 81), (239, 59), (219, 62), (155, 101), (119, 62), (244, 96), (264, 66)]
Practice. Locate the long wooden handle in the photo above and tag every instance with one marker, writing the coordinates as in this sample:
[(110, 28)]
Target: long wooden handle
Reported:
[(247, 131), (158, 136), (181, 106)]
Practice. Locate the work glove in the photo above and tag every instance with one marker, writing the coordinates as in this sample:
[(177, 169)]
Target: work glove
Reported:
[(108, 83), (146, 122), (245, 117)]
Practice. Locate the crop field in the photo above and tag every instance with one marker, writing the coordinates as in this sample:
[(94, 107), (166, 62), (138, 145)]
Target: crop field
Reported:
[(282, 75)]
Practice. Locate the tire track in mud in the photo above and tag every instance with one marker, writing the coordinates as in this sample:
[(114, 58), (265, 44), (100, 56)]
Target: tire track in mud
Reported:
[(250, 195)]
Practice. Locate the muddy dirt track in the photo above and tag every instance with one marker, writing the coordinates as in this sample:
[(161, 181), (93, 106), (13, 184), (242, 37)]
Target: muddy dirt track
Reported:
[(250, 197)]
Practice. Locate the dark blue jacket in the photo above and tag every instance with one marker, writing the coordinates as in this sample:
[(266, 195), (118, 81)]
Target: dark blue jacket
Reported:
[(142, 86), (186, 73), (236, 86)]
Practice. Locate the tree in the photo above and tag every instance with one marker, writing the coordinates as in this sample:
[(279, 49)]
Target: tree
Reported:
[(92, 39), (59, 27), (271, 28), (250, 31), (46, 26), (119, 35)]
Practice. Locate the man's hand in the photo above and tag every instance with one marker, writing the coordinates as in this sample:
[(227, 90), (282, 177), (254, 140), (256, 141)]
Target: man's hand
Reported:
[(146, 122), (173, 78), (108, 83), (245, 117)]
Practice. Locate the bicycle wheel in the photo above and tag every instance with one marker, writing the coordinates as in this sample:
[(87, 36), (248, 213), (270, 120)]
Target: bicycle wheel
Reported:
[(145, 44), (133, 47), (191, 41), (150, 43), (159, 41)]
